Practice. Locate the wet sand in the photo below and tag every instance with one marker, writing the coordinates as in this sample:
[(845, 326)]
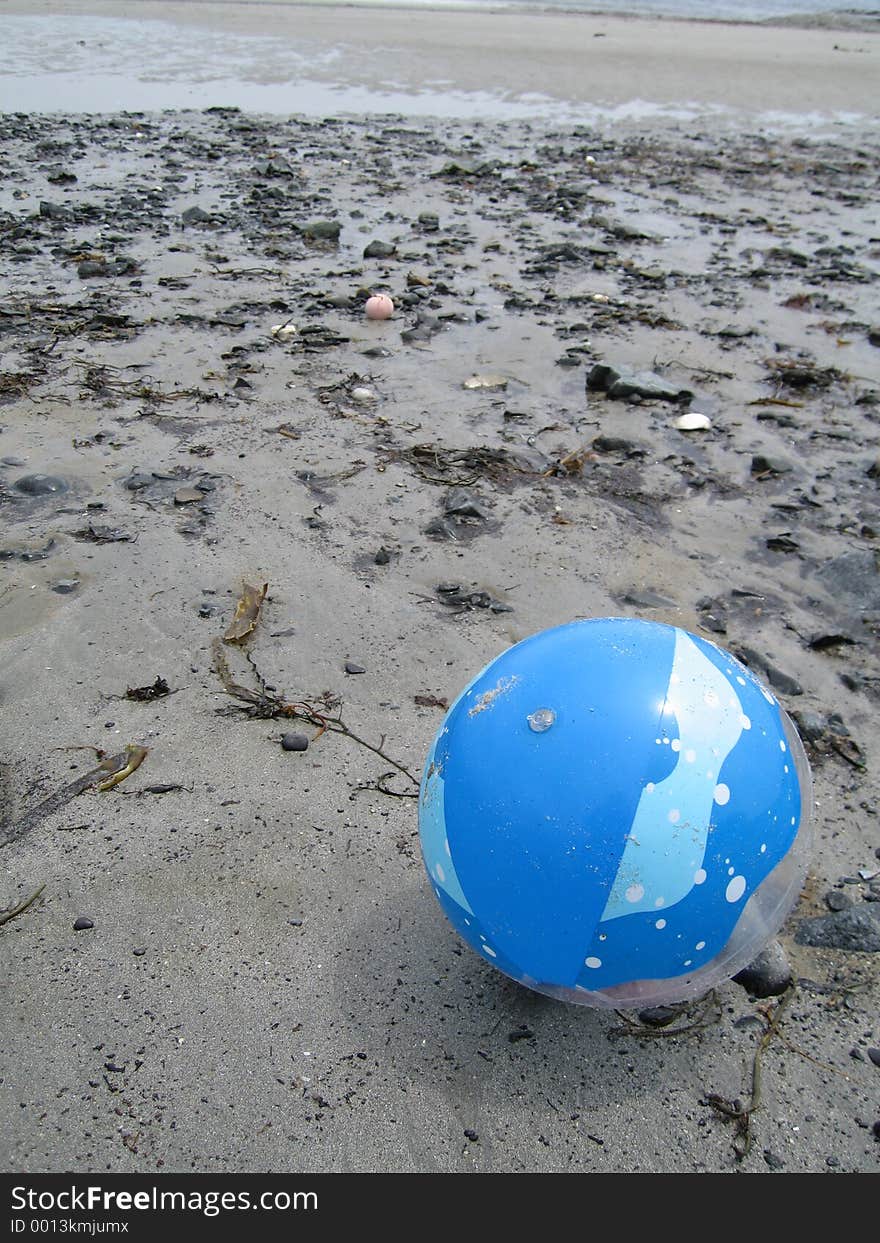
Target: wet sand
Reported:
[(268, 983), (458, 62)]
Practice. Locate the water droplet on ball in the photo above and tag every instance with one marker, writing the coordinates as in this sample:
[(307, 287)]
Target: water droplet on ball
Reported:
[(541, 720)]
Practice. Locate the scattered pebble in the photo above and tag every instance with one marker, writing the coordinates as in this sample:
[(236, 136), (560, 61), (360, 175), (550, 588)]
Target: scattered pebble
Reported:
[(82, 922), (41, 485), (768, 975), (379, 250), (658, 1016), (351, 667), (856, 928), (294, 742)]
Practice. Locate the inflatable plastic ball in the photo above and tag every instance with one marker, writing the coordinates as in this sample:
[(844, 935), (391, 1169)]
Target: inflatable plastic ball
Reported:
[(379, 306), (616, 813)]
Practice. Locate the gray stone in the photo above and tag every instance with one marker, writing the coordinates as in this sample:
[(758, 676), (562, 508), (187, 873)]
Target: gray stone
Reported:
[(810, 725), (195, 215), (139, 479), (658, 1016), (92, 267), (294, 742), (761, 665), (53, 211), (854, 577), (65, 586), (464, 504), (40, 485), (620, 382), (764, 465), (856, 928), (323, 230), (768, 975), (82, 923), (379, 250)]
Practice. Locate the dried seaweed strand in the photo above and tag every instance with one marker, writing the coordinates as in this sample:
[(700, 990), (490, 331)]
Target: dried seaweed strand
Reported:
[(107, 768), (22, 906), (264, 705), (742, 1114)]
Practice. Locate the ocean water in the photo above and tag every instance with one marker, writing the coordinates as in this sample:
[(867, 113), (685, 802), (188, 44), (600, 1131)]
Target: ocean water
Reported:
[(801, 12), (194, 56)]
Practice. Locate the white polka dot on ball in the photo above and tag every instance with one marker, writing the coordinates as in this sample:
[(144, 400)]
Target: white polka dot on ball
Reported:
[(735, 889)]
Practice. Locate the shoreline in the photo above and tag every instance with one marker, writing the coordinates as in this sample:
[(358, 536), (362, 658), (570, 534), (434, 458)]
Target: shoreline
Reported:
[(841, 20), (538, 59)]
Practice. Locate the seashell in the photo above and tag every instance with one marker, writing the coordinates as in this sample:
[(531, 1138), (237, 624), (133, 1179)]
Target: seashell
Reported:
[(692, 422)]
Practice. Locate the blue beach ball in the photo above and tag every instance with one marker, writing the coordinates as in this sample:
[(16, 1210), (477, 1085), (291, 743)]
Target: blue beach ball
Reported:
[(616, 812)]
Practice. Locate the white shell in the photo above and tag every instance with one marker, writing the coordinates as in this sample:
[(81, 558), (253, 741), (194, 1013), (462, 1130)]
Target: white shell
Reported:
[(284, 331), (692, 422), (363, 394)]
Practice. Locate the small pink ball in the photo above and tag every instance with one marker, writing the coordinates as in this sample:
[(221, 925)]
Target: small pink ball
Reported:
[(379, 306)]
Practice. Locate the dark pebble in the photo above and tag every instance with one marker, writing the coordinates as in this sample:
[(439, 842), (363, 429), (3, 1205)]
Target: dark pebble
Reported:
[(874, 1055), (351, 667), (876, 1130), (832, 1161), (92, 267), (810, 725), (760, 665), (65, 586), (471, 1135), (520, 1033), (295, 923), (443, 528), (658, 1016), (837, 901), (195, 215), (768, 975), (139, 479), (465, 504), (382, 557), (140, 951), (379, 250), (856, 928), (763, 465), (82, 922), (323, 230), (52, 211), (775, 1162), (40, 485), (294, 742), (852, 578)]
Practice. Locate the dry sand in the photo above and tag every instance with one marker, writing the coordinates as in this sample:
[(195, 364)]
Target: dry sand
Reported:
[(269, 983)]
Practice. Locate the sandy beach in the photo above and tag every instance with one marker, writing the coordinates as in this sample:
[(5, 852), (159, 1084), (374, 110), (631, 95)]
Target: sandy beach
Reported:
[(234, 960), (278, 57)]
